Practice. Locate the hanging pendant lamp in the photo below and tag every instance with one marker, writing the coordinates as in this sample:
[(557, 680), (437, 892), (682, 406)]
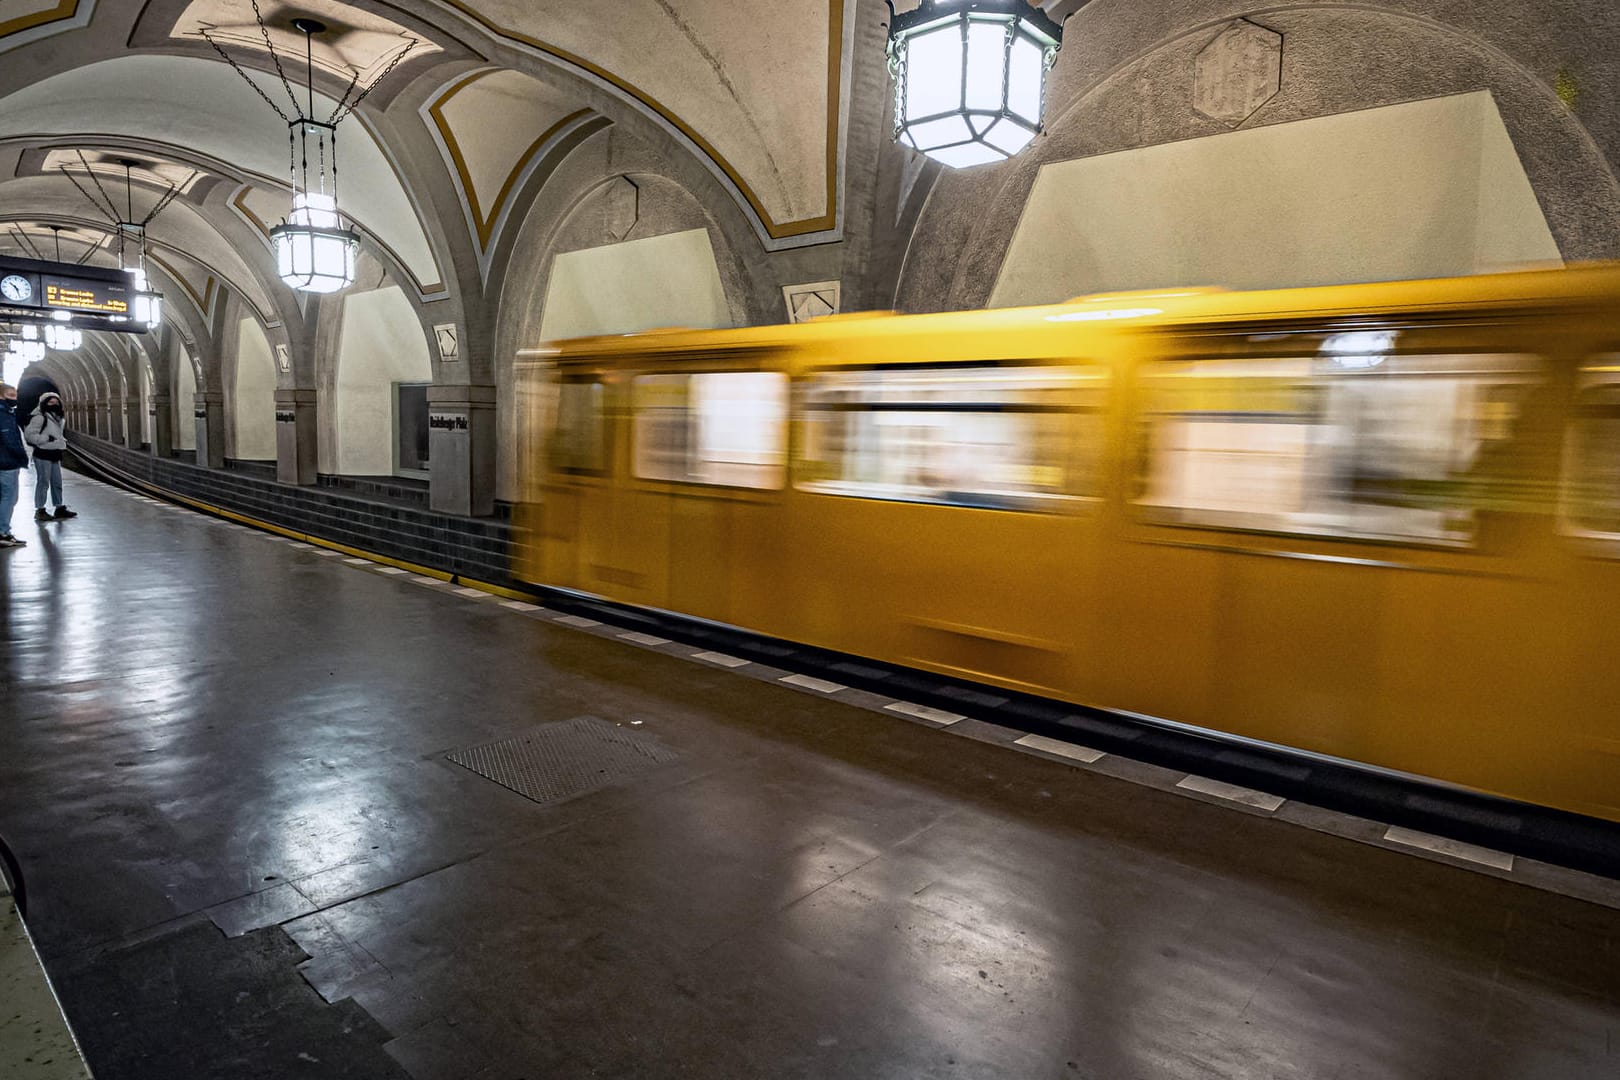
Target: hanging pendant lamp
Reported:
[(970, 77), (314, 251)]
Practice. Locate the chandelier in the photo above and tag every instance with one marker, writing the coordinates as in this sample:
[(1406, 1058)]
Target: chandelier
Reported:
[(314, 249), (970, 77)]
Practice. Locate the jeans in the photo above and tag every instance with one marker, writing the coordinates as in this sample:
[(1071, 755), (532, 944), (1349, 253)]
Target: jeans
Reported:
[(47, 473), (8, 498)]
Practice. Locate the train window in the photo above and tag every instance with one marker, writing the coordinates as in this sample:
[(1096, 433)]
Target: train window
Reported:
[(1592, 488), (723, 428), (579, 437), (1356, 442), (985, 436)]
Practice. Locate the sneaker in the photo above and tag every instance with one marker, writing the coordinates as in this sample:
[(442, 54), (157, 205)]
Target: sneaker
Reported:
[(9, 541), (42, 514), (63, 513)]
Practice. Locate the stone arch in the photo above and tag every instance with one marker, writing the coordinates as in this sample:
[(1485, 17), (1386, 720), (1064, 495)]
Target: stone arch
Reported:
[(585, 211), (1145, 100)]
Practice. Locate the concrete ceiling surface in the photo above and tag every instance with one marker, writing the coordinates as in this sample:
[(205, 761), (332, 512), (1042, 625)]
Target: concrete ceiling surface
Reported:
[(759, 93), (202, 106)]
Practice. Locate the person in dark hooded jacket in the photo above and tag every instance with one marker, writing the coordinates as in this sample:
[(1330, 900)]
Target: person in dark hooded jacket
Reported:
[(13, 456), (45, 433)]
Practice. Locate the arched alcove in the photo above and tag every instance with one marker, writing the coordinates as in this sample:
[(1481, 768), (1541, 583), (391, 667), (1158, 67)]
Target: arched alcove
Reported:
[(380, 345), (184, 400), (251, 399)]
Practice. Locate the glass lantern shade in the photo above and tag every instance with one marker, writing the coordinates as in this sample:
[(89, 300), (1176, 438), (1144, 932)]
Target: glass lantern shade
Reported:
[(25, 352), (148, 309), (314, 252), (970, 78), (62, 338)]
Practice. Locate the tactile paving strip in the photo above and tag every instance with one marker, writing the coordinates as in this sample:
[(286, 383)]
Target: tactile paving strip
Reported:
[(560, 760)]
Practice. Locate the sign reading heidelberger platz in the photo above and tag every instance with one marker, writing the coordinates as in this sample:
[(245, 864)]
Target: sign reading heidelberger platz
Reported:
[(95, 297)]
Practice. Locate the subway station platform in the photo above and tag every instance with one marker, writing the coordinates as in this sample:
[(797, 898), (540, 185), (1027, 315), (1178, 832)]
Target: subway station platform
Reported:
[(284, 812)]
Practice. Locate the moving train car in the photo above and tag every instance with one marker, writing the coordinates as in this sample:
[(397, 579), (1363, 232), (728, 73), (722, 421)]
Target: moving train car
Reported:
[(1377, 522)]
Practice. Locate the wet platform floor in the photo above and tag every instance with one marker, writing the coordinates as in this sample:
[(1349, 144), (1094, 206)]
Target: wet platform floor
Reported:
[(224, 764)]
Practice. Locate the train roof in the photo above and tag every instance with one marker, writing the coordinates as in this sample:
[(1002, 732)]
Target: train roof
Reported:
[(1586, 286)]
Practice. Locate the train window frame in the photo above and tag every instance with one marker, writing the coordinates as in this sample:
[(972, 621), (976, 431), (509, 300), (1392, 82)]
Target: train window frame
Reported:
[(633, 411), (1525, 366), (1598, 371), (552, 429), (1072, 462)]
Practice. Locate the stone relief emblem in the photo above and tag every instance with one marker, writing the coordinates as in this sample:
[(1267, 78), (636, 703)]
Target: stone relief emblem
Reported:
[(621, 207), (1237, 72), (809, 301)]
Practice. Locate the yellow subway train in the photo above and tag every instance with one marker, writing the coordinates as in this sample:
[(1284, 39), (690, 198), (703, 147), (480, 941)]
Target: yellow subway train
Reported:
[(1377, 522)]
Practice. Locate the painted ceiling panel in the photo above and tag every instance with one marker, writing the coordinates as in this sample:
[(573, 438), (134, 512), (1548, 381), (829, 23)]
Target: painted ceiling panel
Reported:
[(19, 15), (355, 40), (489, 124), (202, 105), (755, 88), (263, 207)]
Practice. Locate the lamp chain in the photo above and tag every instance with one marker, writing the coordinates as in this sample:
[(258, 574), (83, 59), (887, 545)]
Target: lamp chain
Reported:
[(271, 49)]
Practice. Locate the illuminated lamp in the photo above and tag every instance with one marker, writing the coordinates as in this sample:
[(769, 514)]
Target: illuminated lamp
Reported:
[(62, 338), (146, 306), (970, 77), (314, 252)]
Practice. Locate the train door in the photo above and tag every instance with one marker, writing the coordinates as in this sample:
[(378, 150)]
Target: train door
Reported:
[(566, 458), (938, 514), (708, 456), (1336, 537), (1589, 632)]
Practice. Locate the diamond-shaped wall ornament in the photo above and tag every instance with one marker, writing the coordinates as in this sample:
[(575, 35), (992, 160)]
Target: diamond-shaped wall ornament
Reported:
[(812, 300), (449, 342), (622, 207), (1237, 72)]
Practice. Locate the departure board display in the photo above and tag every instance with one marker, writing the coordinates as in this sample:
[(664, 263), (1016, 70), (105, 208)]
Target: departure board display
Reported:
[(82, 294)]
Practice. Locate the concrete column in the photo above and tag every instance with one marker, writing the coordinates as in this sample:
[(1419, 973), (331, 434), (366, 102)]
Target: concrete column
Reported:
[(461, 449), (297, 444), (115, 419), (103, 418), (209, 409), (132, 421), (162, 426)]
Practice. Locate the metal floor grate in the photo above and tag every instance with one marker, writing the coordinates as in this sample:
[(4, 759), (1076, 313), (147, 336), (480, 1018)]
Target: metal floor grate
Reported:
[(560, 760)]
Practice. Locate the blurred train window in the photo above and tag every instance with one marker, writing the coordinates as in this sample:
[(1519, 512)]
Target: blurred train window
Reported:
[(1354, 441), (1010, 438), (579, 434), (1592, 487), (723, 428)]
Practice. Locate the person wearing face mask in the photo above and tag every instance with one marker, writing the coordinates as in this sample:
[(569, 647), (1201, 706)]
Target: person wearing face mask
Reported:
[(13, 456), (45, 433)]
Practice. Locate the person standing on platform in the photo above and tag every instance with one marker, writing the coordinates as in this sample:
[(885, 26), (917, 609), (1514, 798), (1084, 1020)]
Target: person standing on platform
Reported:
[(46, 434), (13, 457)]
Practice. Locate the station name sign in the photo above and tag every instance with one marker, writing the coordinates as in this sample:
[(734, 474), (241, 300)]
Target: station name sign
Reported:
[(84, 294)]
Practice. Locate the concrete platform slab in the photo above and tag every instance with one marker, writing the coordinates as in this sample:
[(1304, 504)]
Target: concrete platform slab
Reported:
[(224, 766)]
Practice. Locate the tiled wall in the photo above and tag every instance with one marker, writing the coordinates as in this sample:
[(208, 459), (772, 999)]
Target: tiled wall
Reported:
[(477, 548)]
